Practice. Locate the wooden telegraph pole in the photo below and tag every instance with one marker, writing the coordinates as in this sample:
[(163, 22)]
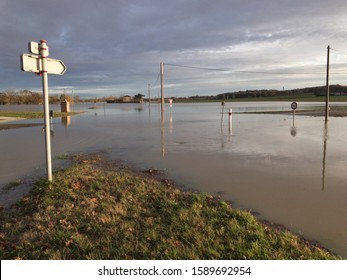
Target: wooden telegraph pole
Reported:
[(327, 87), (162, 88)]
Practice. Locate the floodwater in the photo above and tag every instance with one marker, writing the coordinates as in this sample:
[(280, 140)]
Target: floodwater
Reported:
[(290, 173)]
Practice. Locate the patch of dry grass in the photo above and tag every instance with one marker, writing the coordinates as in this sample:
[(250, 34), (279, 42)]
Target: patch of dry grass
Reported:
[(93, 212)]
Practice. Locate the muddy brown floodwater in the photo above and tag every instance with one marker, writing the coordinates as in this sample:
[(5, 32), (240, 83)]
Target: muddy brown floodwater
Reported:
[(291, 173)]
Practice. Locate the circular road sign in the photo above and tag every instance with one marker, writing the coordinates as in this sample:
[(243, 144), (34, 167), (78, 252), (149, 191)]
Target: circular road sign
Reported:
[(294, 105)]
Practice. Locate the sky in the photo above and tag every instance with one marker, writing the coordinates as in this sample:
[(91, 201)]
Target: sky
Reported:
[(115, 47)]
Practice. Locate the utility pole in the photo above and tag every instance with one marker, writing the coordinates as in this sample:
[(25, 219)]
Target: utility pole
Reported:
[(327, 87), (162, 88)]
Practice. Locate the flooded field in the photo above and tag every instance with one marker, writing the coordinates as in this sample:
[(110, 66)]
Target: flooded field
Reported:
[(290, 173)]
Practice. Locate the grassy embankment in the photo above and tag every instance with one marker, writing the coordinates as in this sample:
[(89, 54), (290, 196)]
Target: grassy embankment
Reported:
[(101, 210)]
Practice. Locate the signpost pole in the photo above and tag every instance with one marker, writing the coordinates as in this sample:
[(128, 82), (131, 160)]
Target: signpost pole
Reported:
[(37, 62), (294, 106), (43, 56)]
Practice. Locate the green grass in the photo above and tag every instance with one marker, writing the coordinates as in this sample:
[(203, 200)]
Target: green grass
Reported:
[(32, 115), (98, 210)]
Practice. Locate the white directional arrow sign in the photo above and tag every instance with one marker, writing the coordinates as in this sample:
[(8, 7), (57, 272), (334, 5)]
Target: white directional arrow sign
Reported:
[(32, 63), (55, 66), (38, 62)]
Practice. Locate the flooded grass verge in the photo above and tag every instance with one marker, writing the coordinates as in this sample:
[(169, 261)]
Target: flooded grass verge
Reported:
[(33, 115), (12, 116), (98, 209), (4, 126)]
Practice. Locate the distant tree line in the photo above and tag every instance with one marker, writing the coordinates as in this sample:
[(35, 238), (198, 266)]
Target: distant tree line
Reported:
[(335, 90), (29, 97), (20, 97)]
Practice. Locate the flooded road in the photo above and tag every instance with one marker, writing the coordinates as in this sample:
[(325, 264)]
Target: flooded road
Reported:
[(292, 174)]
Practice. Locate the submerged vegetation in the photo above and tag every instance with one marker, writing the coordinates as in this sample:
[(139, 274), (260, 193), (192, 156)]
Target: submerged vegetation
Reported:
[(32, 115), (97, 209), (11, 116)]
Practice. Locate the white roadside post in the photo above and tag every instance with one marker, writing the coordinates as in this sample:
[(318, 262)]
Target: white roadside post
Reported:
[(38, 63), (43, 56), (230, 121)]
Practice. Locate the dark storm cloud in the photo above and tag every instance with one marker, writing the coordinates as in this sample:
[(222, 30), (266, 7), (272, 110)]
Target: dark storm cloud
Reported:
[(117, 46)]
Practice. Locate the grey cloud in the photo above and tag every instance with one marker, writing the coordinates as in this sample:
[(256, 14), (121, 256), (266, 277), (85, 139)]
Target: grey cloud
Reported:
[(120, 43)]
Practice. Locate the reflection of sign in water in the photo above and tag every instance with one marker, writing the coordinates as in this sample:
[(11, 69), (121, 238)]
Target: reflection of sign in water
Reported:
[(324, 154), (294, 105), (293, 131)]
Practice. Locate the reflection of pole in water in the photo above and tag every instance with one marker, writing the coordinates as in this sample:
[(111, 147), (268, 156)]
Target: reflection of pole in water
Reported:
[(171, 123), (221, 121), (162, 136), (222, 138), (149, 94), (293, 131), (65, 121), (149, 111), (324, 154)]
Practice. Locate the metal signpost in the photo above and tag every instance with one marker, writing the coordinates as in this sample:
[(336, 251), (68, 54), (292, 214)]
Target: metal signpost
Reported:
[(37, 62), (294, 106)]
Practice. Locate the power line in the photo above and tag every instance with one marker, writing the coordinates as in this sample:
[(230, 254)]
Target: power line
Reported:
[(277, 73), (155, 83), (197, 67), (247, 71)]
